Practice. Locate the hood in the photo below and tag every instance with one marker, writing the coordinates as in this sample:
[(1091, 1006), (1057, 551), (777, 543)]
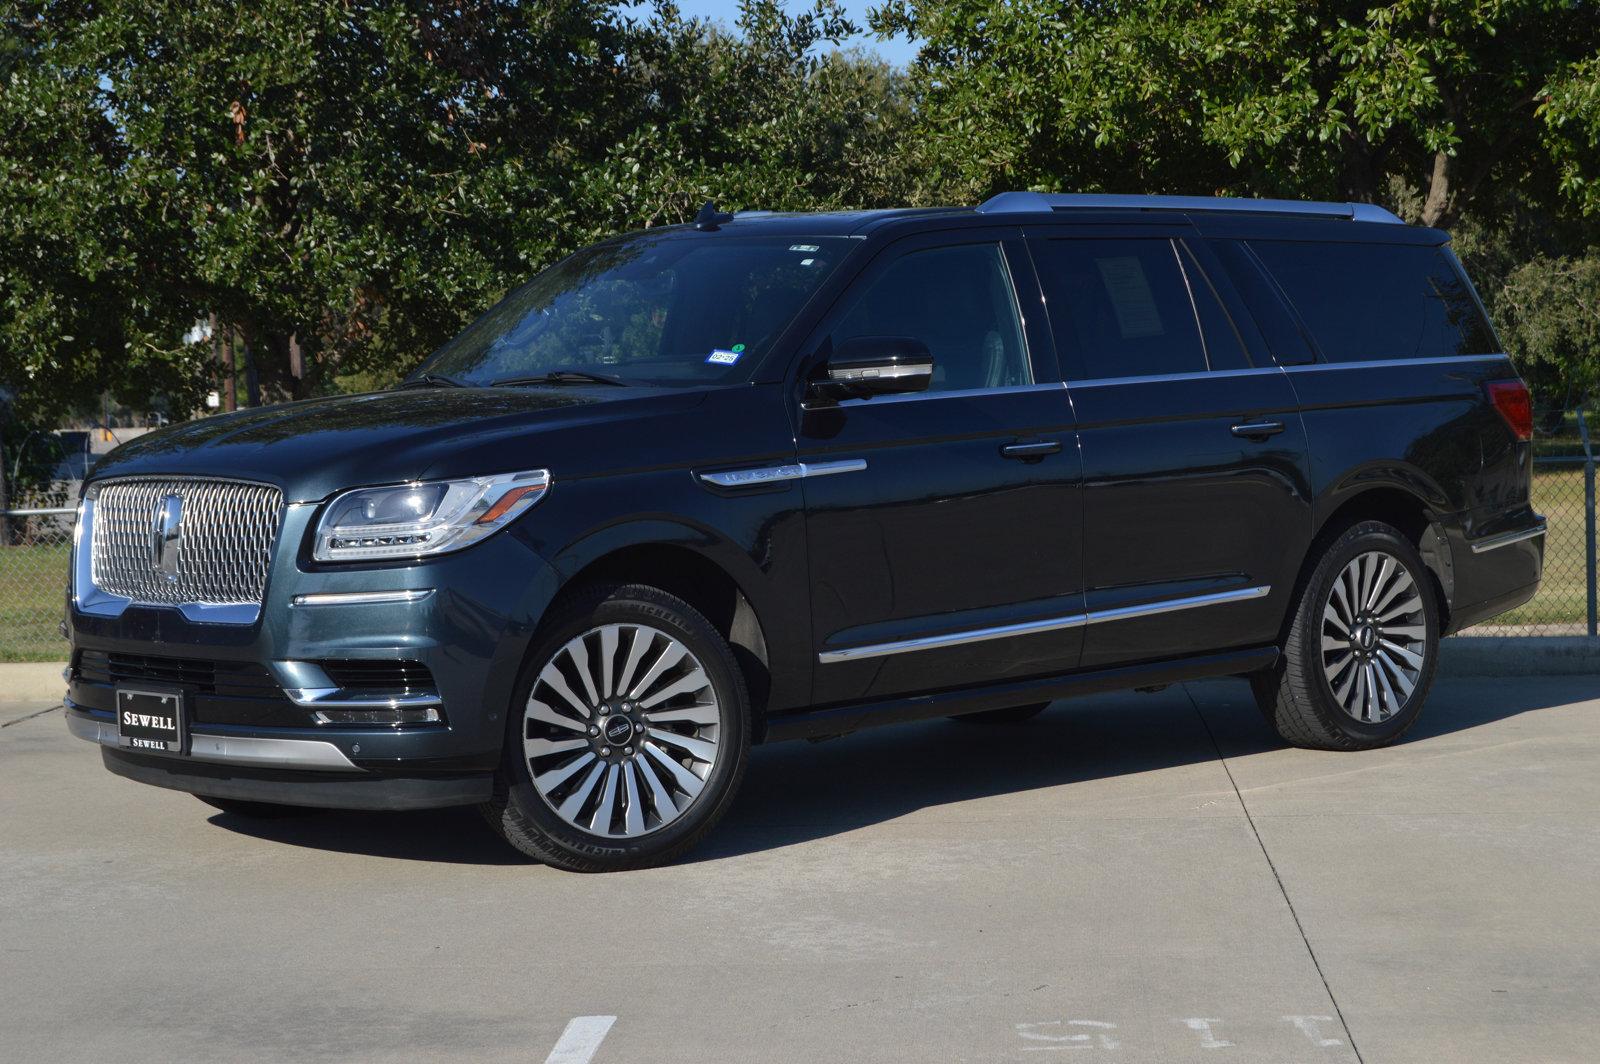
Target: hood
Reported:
[(319, 446)]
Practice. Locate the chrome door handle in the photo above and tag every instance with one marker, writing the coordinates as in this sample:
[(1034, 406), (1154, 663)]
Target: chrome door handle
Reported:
[(1025, 449), (1257, 430)]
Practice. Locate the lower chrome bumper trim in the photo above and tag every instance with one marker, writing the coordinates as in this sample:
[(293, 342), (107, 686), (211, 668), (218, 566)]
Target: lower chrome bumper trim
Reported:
[(1492, 542), (314, 754)]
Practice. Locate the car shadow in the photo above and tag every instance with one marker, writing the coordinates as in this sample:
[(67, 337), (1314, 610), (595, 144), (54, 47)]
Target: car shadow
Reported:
[(799, 792)]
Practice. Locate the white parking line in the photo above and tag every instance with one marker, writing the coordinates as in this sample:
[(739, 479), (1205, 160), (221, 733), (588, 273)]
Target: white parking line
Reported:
[(579, 1041)]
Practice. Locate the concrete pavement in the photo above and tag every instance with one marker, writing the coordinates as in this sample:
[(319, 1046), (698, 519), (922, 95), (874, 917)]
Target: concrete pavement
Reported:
[(1128, 878)]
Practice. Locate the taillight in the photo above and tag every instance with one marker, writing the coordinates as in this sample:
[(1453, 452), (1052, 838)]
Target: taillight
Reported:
[(1511, 399)]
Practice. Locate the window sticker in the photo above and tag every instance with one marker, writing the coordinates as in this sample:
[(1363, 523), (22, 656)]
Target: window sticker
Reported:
[(1131, 298), (719, 357), (804, 247)]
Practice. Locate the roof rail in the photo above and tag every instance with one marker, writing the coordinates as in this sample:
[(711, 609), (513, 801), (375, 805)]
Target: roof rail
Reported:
[(1043, 202)]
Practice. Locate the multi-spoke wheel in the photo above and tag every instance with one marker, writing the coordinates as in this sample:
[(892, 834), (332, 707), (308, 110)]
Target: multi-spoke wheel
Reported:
[(1362, 644), (628, 735), (1374, 637)]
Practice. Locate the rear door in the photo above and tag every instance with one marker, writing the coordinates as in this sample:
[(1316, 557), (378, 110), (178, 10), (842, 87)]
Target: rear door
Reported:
[(1196, 511), (943, 526)]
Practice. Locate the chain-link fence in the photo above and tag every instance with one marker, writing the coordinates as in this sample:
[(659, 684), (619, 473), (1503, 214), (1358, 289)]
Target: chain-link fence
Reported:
[(33, 567), (34, 548)]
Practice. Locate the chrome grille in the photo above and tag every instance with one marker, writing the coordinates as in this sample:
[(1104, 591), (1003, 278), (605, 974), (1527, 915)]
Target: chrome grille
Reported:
[(227, 530)]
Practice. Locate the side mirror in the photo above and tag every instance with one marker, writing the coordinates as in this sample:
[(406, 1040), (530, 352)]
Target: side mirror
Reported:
[(876, 365)]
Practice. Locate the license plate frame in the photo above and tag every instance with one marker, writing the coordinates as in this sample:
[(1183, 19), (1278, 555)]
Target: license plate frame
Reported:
[(152, 719)]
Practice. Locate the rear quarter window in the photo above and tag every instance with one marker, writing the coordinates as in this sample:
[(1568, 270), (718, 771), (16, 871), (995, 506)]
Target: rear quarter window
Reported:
[(1370, 302)]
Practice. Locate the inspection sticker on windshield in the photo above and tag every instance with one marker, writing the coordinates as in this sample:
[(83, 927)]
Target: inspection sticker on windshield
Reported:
[(725, 358), (805, 247)]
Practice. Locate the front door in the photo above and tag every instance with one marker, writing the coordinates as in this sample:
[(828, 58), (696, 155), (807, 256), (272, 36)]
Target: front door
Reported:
[(1196, 497), (943, 526)]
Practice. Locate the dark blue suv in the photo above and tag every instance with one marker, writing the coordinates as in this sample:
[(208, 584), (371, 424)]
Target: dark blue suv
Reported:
[(767, 476)]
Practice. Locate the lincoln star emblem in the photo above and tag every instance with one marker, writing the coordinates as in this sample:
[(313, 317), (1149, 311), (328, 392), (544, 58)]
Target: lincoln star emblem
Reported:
[(166, 536)]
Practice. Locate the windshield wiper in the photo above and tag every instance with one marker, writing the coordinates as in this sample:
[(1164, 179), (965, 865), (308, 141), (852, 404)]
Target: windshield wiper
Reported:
[(431, 380), (561, 376)]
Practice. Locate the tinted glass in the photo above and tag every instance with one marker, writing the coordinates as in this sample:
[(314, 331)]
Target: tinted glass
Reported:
[(1261, 296), (665, 309), (958, 301), (1119, 308), (1224, 346), (1378, 301)]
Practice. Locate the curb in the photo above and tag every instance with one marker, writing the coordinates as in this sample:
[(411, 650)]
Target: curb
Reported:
[(32, 681), (1496, 655)]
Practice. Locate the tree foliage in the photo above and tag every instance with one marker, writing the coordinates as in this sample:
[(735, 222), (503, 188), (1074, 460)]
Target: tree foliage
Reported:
[(353, 180)]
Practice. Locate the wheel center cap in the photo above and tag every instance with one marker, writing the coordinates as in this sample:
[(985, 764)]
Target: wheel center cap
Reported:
[(618, 730), (1366, 638)]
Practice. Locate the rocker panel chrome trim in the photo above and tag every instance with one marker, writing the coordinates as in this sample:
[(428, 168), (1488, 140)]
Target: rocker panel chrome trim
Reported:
[(1048, 624)]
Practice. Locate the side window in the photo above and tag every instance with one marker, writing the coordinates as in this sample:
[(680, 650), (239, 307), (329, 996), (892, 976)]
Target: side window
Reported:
[(1260, 295), (1224, 345), (1378, 301), (957, 300), (1120, 308)]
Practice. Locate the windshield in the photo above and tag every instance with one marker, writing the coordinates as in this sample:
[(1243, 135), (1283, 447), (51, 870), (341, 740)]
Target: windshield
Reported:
[(672, 308)]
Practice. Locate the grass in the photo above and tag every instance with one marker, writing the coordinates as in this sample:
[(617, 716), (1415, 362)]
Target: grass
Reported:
[(32, 598)]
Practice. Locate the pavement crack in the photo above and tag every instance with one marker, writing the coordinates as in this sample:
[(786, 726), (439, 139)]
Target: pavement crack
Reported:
[(1277, 878), (30, 716)]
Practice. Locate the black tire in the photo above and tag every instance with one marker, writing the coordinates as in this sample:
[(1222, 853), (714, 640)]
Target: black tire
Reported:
[(531, 822), (1297, 696), (257, 810), (1008, 715)]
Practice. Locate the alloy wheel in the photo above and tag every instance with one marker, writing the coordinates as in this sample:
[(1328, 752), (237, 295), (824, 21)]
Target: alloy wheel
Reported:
[(621, 730), (1374, 637)]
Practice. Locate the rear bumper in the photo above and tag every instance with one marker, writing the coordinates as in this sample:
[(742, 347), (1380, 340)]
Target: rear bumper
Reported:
[(1497, 570), (287, 772)]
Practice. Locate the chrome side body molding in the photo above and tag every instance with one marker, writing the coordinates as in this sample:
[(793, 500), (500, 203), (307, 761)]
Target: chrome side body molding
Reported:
[(1048, 624), (744, 478)]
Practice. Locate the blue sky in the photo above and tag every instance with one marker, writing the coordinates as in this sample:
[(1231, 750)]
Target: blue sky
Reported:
[(898, 52)]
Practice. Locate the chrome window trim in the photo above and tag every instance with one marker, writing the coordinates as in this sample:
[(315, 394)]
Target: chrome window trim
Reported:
[(1048, 624), (1378, 363), (953, 393), (778, 474), (1306, 367), (316, 754), (360, 598), (1508, 538)]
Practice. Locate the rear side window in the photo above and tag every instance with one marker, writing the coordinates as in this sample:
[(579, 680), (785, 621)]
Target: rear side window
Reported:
[(1120, 308), (1365, 302)]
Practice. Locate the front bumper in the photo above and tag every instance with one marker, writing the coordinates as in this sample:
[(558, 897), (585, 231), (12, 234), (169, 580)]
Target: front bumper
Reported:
[(261, 701)]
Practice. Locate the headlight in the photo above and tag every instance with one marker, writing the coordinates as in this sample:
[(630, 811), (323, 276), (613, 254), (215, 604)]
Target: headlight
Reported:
[(430, 517)]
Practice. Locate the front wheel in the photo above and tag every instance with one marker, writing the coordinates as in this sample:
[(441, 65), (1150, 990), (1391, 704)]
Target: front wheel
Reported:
[(1362, 646), (628, 734)]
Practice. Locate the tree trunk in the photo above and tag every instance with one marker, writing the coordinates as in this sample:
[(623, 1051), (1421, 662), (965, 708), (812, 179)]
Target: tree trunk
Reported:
[(1436, 208)]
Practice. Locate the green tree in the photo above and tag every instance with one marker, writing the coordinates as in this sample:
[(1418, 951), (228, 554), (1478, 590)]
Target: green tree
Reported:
[(1477, 115)]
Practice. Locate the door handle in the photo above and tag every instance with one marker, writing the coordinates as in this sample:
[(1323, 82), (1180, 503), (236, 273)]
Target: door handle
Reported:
[(1257, 430), (1026, 449)]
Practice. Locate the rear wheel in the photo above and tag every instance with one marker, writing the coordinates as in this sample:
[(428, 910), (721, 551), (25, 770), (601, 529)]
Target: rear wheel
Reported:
[(628, 734), (257, 810), (1008, 715), (1362, 646)]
